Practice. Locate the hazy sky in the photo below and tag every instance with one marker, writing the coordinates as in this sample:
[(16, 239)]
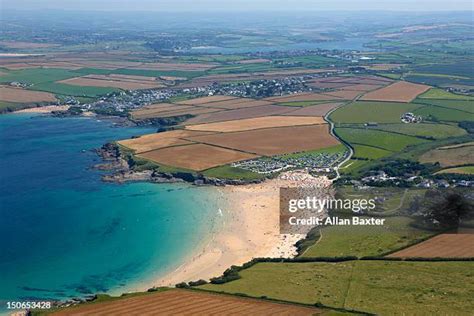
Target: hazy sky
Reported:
[(240, 5)]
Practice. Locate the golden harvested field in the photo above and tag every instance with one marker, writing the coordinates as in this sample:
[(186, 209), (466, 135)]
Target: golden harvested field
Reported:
[(450, 156), (442, 246), (19, 95), (188, 302), (273, 141), (121, 82), (256, 111), (159, 140), (314, 110), (196, 157), (204, 100), (399, 91), (257, 123), (302, 97)]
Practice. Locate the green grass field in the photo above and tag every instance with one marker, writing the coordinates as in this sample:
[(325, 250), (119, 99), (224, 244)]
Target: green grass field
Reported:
[(10, 107), (436, 113), (228, 172), (158, 73), (66, 89), (37, 75), (352, 166), (436, 93), (377, 287), (363, 112), (437, 131), (379, 139), (362, 151), (330, 150), (45, 79), (459, 105), (336, 241)]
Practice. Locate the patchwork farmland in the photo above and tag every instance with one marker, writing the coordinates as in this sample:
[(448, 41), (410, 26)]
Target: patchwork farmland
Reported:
[(269, 127), (227, 129)]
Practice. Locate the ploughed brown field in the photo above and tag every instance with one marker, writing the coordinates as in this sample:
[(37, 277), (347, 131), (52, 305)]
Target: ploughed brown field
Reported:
[(204, 100), (450, 156), (20, 95), (442, 246), (115, 81), (257, 123), (314, 110), (236, 103), (302, 97), (229, 115), (187, 302), (160, 140), (399, 91), (273, 141), (196, 157)]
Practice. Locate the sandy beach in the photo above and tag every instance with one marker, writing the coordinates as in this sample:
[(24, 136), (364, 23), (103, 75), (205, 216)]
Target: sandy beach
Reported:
[(250, 229), (45, 109)]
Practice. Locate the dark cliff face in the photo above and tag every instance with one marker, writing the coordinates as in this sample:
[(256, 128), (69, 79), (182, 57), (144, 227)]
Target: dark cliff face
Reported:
[(121, 164)]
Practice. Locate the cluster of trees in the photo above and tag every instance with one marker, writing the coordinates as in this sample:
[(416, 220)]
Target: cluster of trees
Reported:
[(446, 209), (401, 167), (468, 126)]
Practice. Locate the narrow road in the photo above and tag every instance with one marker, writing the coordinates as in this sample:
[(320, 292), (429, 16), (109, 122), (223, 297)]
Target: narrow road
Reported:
[(331, 131)]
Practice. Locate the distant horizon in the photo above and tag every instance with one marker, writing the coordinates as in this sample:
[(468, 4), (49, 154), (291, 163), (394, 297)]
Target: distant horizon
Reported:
[(261, 6)]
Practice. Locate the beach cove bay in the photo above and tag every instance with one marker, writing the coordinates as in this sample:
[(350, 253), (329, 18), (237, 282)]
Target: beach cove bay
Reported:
[(65, 233)]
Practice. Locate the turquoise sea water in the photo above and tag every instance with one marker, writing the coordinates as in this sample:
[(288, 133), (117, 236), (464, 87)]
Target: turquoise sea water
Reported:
[(65, 233)]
